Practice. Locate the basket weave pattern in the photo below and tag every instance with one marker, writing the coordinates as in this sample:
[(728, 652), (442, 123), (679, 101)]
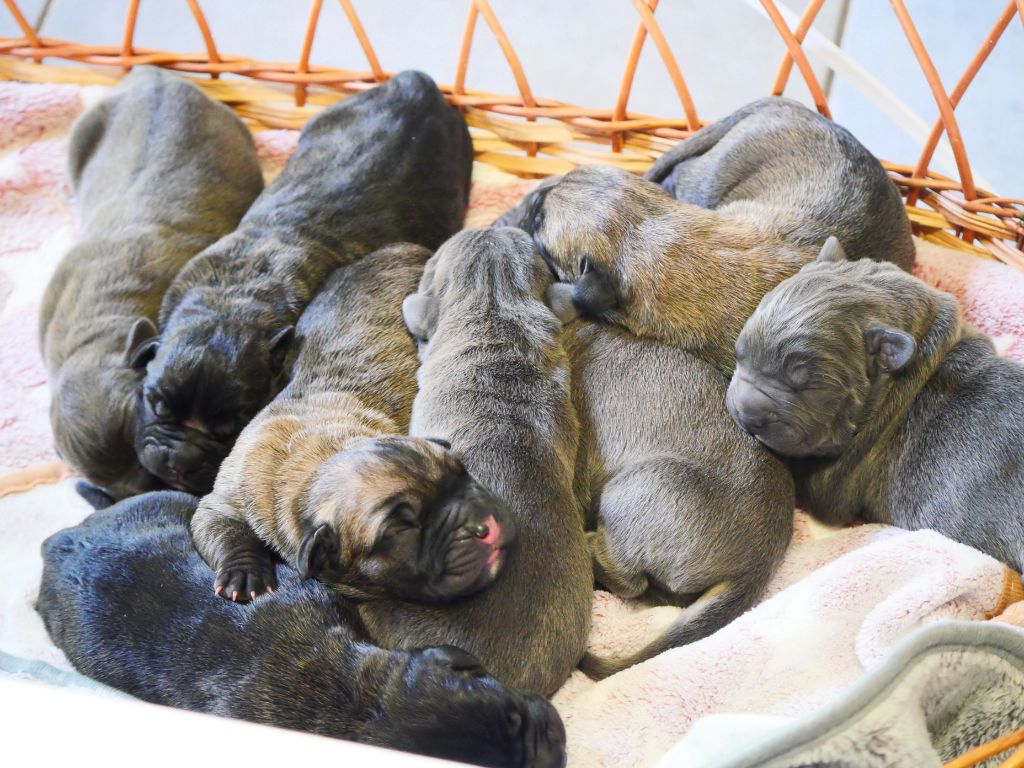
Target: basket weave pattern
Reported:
[(528, 135)]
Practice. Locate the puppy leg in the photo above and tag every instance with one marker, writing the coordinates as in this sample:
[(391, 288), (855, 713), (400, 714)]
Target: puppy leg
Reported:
[(616, 579), (243, 564)]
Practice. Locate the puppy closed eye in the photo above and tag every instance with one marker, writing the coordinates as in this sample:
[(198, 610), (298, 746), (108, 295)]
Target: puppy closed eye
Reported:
[(402, 517), (161, 408)]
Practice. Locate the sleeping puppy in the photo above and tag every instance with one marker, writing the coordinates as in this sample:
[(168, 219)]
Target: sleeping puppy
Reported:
[(690, 511), (325, 477), (388, 165), (890, 406), (159, 172), (123, 595), (494, 382), (760, 195)]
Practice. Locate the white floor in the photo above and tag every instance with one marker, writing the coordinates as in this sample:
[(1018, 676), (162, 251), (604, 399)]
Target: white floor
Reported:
[(574, 50)]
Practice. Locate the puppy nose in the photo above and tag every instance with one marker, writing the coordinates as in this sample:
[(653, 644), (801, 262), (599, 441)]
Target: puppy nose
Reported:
[(480, 531), (754, 419)]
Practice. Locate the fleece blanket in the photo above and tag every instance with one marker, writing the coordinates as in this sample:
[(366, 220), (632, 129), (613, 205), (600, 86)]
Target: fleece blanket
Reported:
[(841, 601)]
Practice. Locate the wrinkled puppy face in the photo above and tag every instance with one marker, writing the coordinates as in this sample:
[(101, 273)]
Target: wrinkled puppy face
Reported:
[(810, 359), (204, 382), (582, 226), (401, 517), (441, 702), (485, 268)]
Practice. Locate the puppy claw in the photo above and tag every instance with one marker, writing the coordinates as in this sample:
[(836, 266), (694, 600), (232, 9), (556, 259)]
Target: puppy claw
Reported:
[(253, 594), (234, 596)]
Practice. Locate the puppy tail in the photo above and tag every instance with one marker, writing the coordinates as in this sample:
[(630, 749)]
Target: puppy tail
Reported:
[(718, 606), (705, 139)]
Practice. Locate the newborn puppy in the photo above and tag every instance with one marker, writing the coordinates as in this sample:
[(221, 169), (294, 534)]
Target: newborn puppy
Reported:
[(494, 382), (892, 409), (123, 595), (690, 510), (779, 180), (322, 476), (388, 165), (159, 171)]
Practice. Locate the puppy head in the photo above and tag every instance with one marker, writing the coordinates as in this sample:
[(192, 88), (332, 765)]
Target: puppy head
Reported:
[(485, 267), (583, 224), (204, 381), (93, 413), (401, 517), (811, 361), (441, 702)]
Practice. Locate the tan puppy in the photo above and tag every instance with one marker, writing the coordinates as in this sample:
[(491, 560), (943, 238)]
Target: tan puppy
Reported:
[(321, 476), (495, 382), (160, 171), (689, 510), (753, 197)]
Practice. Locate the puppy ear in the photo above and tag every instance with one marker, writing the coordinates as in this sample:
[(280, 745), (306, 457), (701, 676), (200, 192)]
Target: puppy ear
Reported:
[(420, 314), (891, 348), (440, 441), (96, 496), (279, 343), (593, 293), (142, 344), (831, 251), (318, 551), (559, 299)]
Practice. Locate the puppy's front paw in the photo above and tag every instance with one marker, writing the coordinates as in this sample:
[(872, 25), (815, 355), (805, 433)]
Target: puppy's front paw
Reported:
[(242, 581)]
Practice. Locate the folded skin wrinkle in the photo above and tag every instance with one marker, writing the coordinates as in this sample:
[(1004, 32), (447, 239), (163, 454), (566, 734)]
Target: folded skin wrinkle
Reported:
[(388, 165), (294, 659)]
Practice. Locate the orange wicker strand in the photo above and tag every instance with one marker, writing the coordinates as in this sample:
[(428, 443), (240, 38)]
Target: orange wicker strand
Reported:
[(307, 47), (19, 19), (1016, 760), (986, 751), (941, 98), (364, 41), (129, 30), (961, 87), (647, 16), (797, 52), (786, 65), (626, 87), (204, 30)]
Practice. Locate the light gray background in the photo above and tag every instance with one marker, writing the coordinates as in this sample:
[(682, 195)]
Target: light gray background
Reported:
[(574, 50)]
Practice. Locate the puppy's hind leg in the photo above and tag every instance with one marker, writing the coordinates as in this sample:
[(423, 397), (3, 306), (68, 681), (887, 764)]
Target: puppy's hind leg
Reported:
[(616, 579), (242, 562)]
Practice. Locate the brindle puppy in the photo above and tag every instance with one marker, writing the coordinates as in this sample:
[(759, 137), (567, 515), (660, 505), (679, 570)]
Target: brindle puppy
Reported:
[(760, 191), (690, 510), (893, 409), (123, 596), (495, 383), (159, 171), (322, 477), (391, 164)]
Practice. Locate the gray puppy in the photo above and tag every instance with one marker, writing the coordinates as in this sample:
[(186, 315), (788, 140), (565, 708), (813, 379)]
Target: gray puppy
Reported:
[(494, 382), (159, 171), (893, 409), (690, 510), (325, 477), (759, 192), (391, 164)]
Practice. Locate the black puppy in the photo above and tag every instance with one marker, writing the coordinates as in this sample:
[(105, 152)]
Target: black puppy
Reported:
[(388, 165), (125, 596)]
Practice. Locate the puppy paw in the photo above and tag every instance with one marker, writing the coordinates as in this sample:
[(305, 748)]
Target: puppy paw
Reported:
[(242, 582)]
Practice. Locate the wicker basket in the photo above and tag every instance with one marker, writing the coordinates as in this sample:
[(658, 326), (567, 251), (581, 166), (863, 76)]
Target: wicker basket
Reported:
[(532, 136)]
